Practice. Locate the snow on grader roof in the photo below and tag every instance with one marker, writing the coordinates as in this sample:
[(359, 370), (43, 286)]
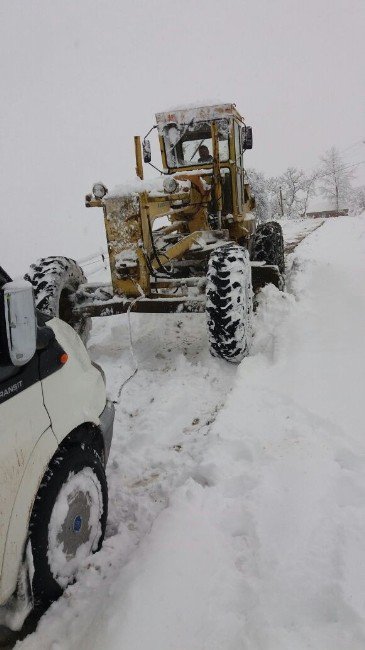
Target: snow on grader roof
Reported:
[(184, 115)]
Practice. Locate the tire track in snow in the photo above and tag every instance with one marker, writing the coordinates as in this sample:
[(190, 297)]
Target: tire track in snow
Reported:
[(306, 227), (164, 416)]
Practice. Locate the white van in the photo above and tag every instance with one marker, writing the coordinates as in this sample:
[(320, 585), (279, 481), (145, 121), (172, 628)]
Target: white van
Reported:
[(55, 434)]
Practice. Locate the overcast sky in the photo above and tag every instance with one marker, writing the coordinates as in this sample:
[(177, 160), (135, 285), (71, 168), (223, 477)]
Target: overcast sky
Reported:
[(79, 78)]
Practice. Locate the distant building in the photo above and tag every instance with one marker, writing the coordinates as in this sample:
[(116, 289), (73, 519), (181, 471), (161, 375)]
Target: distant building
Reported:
[(321, 208)]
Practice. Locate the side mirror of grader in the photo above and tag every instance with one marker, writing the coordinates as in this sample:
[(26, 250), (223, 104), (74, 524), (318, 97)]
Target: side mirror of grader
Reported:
[(146, 147), (247, 140)]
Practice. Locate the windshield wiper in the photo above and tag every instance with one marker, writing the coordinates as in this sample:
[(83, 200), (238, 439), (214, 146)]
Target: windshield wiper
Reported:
[(198, 147), (173, 146)]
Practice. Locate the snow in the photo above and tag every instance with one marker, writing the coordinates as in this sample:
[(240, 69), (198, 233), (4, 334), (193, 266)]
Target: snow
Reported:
[(135, 186), (199, 103), (19, 284), (296, 229), (126, 259), (237, 493), (321, 204)]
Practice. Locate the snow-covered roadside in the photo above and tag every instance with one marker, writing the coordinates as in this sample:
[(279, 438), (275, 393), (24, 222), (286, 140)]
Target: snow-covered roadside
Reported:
[(295, 230), (260, 545)]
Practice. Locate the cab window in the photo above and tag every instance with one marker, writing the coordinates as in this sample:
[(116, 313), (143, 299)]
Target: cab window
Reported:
[(191, 144)]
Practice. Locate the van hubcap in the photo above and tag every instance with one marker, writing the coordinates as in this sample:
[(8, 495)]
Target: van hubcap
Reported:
[(75, 529), (75, 526)]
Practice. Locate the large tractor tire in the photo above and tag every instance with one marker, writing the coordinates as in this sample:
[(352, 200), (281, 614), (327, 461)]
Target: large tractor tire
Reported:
[(229, 303), (55, 281), (268, 245)]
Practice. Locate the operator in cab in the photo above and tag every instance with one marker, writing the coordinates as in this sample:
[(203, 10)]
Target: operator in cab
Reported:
[(204, 155)]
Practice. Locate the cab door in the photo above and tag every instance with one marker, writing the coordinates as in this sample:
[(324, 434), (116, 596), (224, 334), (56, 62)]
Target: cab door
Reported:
[(23, 419), (239, 168)]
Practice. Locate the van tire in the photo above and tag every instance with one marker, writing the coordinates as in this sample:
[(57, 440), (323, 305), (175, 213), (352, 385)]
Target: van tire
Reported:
[(74, 483)]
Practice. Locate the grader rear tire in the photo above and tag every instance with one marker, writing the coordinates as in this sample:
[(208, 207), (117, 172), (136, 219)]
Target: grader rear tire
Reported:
[(229, 303), (55, 281), (268, 245)]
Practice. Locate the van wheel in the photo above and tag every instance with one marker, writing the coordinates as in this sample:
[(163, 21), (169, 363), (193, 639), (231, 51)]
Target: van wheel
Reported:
[(68, 520), (55, 282), (229, 302)]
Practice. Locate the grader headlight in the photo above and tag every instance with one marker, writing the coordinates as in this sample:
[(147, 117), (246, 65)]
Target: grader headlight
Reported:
[(170, 185), (99, 190)]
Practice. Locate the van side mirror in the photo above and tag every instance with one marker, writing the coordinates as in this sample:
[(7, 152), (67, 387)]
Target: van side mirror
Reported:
[(20, 321), (247, 140), (146, 147)]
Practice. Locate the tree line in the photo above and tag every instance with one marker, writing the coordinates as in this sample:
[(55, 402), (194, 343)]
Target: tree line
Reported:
[(289, 195)]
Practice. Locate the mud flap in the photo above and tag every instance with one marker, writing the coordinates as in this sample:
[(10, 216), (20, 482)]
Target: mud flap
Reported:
[(265, 274)]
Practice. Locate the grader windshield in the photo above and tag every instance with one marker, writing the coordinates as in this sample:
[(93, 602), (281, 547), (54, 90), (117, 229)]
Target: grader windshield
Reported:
[(191, 144)]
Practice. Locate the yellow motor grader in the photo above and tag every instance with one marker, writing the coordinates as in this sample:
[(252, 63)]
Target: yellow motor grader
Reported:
[(186, 241)]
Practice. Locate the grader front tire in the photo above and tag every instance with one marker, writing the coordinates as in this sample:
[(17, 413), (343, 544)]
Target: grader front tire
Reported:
[(55, 281), (229, 303)]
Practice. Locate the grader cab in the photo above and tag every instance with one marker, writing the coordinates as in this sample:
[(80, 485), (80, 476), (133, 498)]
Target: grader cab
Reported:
[(187, 241)]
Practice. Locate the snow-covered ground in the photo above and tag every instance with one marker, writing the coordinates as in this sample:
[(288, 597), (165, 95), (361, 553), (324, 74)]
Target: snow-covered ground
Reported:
[(297, 229), (237, 494)]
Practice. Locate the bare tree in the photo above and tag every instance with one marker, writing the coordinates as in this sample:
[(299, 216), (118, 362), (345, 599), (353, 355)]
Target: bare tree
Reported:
[(310, 188), (335, 179), (286, 193), (275, 197), (292, 185), (258, 185), (357, 201)]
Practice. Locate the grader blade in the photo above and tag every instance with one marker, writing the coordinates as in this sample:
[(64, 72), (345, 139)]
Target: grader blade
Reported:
[(167, 305)]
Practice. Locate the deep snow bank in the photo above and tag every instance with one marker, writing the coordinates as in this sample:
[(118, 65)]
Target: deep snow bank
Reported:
[(261, 543), (268, 554)]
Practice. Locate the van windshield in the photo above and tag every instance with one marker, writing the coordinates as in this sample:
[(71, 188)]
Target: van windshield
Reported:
[(191, 144)]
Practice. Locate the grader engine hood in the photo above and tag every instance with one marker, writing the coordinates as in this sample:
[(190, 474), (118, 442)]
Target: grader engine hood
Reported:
[(123, 230), (131, 225)]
